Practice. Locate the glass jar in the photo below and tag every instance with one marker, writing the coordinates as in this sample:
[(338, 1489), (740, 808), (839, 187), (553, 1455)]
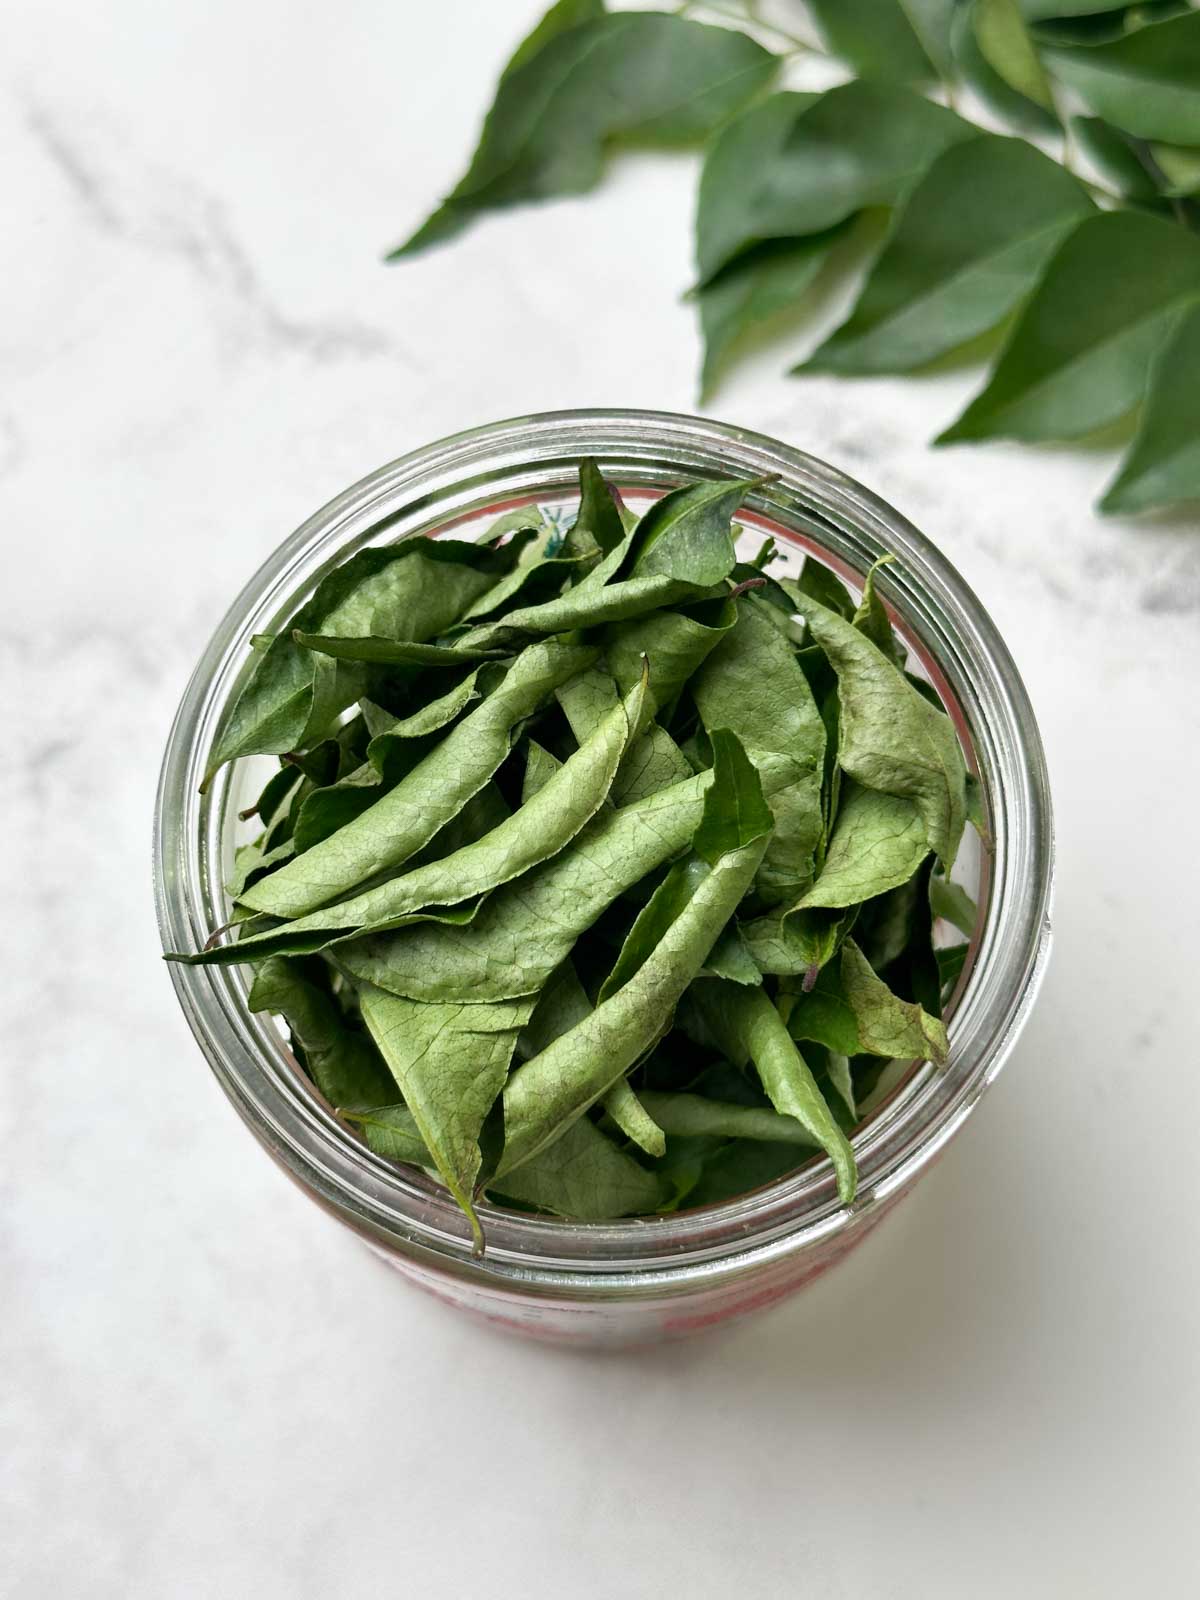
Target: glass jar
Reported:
[(641, 1278)]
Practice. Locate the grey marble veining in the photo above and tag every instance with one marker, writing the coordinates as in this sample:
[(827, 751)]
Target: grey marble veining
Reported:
[(207, 1389)]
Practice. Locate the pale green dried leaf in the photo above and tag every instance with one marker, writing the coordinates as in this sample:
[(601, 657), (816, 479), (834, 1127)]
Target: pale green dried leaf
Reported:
[(583, 1175), (694, 1116), (412, 590), (748, 1028), (450, 1062), (550, 1091), (878, 842), (891, 738), (340, 1059), (392, 1132), (570, 796), (630, 1115), (751, 682), (409, 815), (887, 1025)]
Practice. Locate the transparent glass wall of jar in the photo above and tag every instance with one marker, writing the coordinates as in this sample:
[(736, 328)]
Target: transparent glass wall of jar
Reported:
[(648, 1278)]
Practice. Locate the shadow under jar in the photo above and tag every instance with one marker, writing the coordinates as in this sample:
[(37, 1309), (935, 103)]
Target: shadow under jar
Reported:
[(652, 1277)]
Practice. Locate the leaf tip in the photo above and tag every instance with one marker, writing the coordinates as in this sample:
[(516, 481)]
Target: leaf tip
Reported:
[(958, 432)]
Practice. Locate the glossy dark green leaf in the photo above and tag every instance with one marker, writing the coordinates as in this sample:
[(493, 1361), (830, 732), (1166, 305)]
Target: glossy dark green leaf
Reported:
[(641, 77), (1095, 21), (749, 1028), (1017, 110), (931, 21), (562, 15), (409, 815), (341, 1060), (412, 590), (1119, 157), (1162, 465), (1078, 357), (749, 292), (874, 37), (1180, 167), (969, 245), (1145, 82), (1005, 44), (797, 165)]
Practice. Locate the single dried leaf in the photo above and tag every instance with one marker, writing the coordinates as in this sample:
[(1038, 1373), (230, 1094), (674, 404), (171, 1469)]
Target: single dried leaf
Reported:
[(891, 738), (407, 817)]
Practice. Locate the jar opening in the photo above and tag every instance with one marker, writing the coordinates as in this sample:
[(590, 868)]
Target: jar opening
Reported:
[(809, 508)]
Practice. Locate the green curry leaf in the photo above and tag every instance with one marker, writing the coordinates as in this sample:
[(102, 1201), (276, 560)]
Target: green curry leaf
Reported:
[(572, 90)]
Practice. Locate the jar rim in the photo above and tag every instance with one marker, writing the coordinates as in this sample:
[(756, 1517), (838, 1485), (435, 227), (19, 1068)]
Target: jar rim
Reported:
[(829, 512)]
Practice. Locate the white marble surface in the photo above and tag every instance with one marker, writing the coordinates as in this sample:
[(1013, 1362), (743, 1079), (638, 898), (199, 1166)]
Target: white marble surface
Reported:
[(208, 1390)]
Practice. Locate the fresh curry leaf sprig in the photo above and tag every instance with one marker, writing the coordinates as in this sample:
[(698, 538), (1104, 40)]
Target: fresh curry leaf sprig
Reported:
[(1093, 280), (615, 885)]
